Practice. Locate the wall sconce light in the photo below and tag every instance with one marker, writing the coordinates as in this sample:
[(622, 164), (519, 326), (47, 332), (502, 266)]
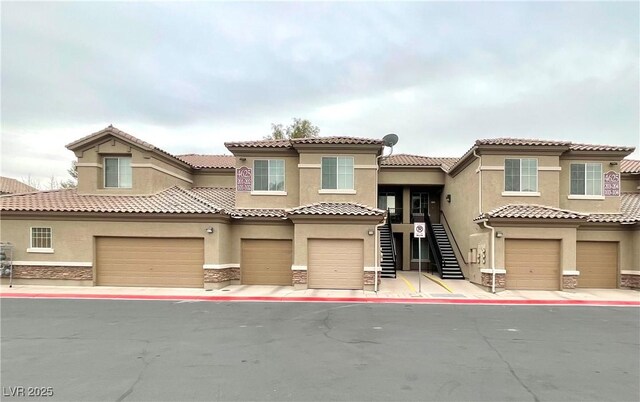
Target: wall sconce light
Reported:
[(209, 230), (243, 159), (499, 234), (370, 232), (448, 197), (614, 163)]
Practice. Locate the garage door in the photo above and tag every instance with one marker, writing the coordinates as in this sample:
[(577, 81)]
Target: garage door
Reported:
[(335, 264), (597, 262), (532, 264), (266, 262), (132, 261)]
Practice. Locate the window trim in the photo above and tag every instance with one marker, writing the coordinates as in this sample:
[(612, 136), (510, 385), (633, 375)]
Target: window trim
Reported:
[(45, 250), (586, 196), (267, 191), (530, 193), (104, 171), (338, 190)]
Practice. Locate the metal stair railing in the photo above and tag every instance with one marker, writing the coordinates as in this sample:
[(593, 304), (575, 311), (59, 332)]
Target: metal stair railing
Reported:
[(393, 240), (435, 249)]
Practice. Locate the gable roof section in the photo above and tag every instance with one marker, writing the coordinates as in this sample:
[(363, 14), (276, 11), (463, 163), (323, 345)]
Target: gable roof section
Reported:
[(258, 213), (407, 160), (521, 142), (174, 200), (290, 143), (629, 211), (335, 208), (13, 186), (222, 197), (209, 161), (630, 166), (259, 144)]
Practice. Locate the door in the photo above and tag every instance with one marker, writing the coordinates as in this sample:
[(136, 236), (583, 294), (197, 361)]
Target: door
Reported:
[(532, 264), (597, 262), (153, 262), (335, 264), (266, 262)]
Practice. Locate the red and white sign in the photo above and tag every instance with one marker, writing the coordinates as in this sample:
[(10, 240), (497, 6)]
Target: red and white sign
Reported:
[(243, 179), (611, 184), (419, 230)]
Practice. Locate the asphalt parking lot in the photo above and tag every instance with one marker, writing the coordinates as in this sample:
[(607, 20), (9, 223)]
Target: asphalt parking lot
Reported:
[(163, 350)]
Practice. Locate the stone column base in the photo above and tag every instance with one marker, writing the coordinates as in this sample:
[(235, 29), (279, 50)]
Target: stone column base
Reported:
[(569, 281), (219, 278), (630, 281), (369, 280), (501, 280)]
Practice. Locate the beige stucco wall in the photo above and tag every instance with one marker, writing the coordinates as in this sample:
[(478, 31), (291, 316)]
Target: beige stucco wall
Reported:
[(73, 240), (151, 173), (291, 184), (629, 244), (609, 204), (306, 231), (493, 182), (630, 183), (221, 178), (411, 176), (480, 242), (364, 180), (464, 206)]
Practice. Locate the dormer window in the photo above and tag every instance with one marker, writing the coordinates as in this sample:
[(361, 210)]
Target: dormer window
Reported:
[(117, 172), (521, 175), (268, 175), (337, 173)]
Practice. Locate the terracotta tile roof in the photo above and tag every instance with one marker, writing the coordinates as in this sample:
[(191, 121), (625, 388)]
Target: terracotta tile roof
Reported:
[(13, 186), (597, 147), (174, 200), (219, 196), (520, 141), (258, 213), (629, 211), (417, 160), (209, 161), (530, 211), (259, 144), (335, 208), (630, 166), (337, 140)]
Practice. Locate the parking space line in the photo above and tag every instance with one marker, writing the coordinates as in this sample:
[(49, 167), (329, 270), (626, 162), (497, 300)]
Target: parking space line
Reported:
[(408, 283), (438, 281)]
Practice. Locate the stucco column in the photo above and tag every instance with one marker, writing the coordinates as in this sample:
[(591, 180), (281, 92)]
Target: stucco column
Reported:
[(406, 204), (406, 251)]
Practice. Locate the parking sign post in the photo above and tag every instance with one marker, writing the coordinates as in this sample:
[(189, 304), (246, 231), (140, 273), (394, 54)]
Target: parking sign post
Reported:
[(419, 232)]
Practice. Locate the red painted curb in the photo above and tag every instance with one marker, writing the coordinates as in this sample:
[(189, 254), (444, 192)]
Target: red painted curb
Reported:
[(319, 299)]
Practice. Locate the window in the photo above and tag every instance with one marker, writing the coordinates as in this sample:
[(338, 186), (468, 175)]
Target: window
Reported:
[(415, 251), (419, 203), (117, 172), (337, 173), (268, 175), (586, 179), (521, 175), (41, 238)]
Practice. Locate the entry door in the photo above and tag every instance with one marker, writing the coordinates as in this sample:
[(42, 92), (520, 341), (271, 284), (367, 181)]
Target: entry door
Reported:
[(419, 203)]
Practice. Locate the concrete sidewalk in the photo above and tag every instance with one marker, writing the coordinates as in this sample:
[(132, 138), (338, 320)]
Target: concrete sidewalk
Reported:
[(403, 289)]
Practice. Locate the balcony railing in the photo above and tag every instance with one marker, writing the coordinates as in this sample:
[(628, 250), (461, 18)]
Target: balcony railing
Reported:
[(395, 215)]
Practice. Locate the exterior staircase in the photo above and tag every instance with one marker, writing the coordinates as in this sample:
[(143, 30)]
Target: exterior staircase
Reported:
[(387, 246), (449, 266)]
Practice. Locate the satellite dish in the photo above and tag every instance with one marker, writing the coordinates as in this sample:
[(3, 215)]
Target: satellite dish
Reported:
[(390, 140)]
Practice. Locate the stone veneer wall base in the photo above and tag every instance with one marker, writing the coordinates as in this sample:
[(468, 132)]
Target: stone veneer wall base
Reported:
[(630, 281), (569, 282), (56, 273), (501, 281), (219, 278)]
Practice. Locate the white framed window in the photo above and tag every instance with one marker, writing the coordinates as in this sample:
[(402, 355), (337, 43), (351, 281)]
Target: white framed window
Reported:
[(268, 175), (40, 240), (586, 179), (521, 175), (422, 251), (337, 173), (117, 172)]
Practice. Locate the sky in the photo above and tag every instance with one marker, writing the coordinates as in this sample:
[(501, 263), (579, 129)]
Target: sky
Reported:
[(188, 76)]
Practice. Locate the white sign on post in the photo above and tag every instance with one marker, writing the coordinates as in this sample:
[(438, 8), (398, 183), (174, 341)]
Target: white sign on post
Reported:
[(419, 232)]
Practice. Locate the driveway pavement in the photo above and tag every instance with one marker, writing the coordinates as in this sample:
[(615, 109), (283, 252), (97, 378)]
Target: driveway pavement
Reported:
[(122, 350), (403, 289)]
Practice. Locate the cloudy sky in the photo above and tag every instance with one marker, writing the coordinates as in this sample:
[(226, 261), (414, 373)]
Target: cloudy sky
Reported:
[(189, 76)]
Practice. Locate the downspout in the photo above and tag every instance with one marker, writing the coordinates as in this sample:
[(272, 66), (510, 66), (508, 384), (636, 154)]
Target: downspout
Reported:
[(480, 182), (493, 255)]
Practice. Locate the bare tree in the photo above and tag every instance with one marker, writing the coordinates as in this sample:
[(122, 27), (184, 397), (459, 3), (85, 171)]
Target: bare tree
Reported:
[(73, 181), (300, 128)]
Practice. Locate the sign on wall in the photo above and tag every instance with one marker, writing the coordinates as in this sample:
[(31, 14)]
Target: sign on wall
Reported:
[(611, 184), (243, 179), (419, 230)]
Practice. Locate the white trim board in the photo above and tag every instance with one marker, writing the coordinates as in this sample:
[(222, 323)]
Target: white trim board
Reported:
[(220, 266), (298, 267), (490, 271)]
